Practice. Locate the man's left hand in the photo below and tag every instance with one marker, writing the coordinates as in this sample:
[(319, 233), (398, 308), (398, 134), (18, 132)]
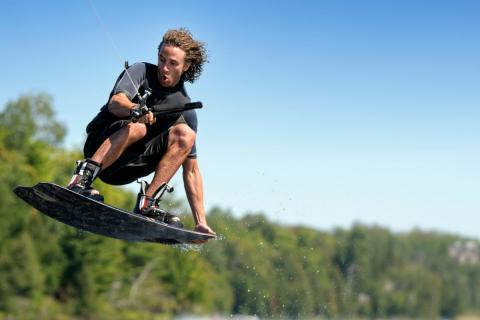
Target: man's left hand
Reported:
[(204, 229)]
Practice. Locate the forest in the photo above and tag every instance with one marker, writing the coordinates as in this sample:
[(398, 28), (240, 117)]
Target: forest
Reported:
[(257, 267)]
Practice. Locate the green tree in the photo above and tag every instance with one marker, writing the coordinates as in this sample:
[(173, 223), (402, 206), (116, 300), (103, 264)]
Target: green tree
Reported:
[(49, 270)]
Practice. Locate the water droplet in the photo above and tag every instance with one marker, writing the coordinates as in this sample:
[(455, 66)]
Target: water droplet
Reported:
[(184, 247)]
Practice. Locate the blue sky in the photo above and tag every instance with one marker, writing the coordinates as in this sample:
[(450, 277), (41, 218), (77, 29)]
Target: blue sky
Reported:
[(319, 113)]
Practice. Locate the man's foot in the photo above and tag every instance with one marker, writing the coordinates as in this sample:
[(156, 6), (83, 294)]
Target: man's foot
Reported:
[(162, 216), (148, 206), (83, 177)]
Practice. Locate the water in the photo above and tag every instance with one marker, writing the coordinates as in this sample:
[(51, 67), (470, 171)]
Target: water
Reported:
[(190, 247), (186, 247)]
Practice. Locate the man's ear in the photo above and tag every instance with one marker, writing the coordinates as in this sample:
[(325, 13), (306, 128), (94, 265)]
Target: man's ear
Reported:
[(186, 66)]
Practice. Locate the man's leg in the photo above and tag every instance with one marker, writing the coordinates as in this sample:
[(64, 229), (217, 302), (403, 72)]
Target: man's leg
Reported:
[(112, 148), (180, 141), (108, 152)]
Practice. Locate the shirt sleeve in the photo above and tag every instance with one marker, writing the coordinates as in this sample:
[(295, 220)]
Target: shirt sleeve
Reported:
[(191, 120), (130, 80), (193, 152)]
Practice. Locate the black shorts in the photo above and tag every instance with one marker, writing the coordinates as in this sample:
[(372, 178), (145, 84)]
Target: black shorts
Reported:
[(138, 160)]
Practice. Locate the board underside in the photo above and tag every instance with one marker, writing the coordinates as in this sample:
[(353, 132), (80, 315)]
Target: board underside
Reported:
[(93, 216)]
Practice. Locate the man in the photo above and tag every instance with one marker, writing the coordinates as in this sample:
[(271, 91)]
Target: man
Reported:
[(119, 151)]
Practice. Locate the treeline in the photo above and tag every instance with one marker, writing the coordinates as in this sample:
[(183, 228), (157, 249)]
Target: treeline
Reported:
[(52, 271)]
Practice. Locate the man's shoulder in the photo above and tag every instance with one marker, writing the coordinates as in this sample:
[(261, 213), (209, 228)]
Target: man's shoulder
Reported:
[(183, 90), (142, 67), (150, 66)]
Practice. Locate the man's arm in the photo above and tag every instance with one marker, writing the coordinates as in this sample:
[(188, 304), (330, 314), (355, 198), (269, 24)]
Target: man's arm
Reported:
[(121, 106), (192, 181)]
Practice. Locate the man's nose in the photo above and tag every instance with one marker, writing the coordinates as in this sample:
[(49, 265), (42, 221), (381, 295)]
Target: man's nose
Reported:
[(164, 68)]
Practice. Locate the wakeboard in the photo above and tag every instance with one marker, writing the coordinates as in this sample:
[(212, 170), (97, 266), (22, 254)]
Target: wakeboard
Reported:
[(93, 216)]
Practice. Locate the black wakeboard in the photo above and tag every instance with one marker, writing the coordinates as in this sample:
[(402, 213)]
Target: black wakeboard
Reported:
[(90, 215)]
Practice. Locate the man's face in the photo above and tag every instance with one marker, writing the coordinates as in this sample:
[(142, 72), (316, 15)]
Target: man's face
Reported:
[(171, 65)]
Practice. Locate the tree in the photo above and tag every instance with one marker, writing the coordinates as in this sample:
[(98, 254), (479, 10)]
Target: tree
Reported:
[(256, 267)]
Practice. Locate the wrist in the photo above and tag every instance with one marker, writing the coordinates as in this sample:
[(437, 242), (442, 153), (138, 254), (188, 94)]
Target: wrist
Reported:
[(133, 108), (200, 221)]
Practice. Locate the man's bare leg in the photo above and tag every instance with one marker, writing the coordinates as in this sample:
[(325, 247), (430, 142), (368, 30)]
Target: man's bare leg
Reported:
[(180, 142), (106, 155), (112, 148)]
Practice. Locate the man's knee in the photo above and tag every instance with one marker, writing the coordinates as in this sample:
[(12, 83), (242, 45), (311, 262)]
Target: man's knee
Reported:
[(182, 135), (136, 130)]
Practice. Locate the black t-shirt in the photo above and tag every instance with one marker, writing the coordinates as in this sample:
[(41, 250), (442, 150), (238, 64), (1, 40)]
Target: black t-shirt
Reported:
[(144, 75)]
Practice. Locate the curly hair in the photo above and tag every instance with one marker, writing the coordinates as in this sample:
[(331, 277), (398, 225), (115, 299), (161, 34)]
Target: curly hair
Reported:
[(195, 52)]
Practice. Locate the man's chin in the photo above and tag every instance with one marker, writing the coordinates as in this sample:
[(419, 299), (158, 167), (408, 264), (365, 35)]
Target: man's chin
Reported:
[(167, 83)]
